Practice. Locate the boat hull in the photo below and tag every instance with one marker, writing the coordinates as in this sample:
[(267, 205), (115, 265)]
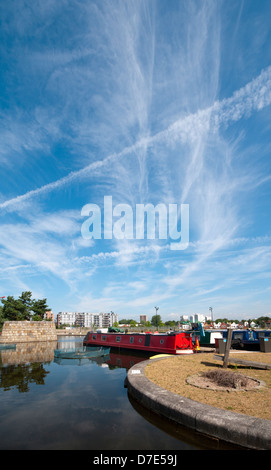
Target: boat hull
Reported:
[(81, 353), (179, 343)]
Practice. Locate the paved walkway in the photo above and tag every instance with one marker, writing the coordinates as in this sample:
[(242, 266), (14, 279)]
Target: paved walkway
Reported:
[(242, 430)]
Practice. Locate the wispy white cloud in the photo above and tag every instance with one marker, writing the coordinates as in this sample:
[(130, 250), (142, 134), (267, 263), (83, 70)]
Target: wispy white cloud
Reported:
[(253, 97), (41, 243)]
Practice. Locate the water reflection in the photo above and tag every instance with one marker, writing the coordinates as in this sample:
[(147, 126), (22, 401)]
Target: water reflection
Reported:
[(23, 365), (22, 375), (26, 353), (47, 406), (125, 360)]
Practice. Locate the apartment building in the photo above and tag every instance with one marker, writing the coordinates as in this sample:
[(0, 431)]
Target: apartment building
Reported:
[(104, 320), (86, 319), (143, 318), (195, 318), (66, 318)]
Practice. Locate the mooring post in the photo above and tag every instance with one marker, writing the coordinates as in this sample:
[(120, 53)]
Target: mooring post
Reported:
[(228, 347)]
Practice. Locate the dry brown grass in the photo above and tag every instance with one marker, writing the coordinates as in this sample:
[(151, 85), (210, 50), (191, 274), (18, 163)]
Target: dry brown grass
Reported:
[(171, 373), (226, 378)]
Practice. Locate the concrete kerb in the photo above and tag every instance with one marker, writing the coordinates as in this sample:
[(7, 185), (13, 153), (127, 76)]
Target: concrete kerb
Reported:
[(242, 430)]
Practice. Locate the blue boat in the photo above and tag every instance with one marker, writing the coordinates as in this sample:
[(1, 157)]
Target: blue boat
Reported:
[(247, 339)]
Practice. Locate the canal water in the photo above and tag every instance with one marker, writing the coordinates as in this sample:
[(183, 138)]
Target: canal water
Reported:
[(49, 405)]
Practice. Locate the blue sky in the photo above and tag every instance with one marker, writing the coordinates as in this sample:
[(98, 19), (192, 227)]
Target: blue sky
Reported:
[(148, 102)]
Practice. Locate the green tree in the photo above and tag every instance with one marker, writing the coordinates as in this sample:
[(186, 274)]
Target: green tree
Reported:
[(26, 304), (39, 307), (261, 321), (124, 321), (23, 308), (13, 309), (156, 320), (171, 323)]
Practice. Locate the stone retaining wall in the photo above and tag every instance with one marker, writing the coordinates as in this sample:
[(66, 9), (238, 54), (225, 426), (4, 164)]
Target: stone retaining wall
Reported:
[(73, 332), (27, 331)]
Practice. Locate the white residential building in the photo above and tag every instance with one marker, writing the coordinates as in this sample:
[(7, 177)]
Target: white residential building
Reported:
[(66, 318), (198, 317), (105, 320), (195, 318), (86, 319)]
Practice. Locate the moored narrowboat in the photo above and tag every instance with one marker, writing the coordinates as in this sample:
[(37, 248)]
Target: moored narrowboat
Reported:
[(248, 339), (172, 343), (205, 337)]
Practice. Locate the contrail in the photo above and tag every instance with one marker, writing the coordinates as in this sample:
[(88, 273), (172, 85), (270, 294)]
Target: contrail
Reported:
[(252, 97)]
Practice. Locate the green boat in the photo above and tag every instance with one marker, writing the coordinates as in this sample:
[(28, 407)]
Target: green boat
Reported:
[(205, 337), (209, 337)]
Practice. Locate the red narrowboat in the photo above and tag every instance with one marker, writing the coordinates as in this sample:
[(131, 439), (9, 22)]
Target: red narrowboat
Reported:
[(172, 343)]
